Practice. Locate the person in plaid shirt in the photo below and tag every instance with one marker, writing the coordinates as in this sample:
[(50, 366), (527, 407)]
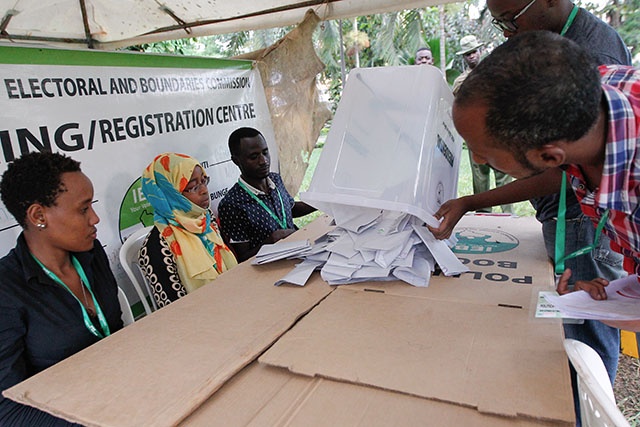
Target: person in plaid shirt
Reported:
[(537, 105)]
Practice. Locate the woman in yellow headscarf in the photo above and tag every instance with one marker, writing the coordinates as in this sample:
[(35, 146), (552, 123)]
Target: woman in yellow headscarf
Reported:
[(184, 250)]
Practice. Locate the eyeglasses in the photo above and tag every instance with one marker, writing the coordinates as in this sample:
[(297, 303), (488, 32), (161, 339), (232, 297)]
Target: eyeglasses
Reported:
[(510, 24), (197, 187)]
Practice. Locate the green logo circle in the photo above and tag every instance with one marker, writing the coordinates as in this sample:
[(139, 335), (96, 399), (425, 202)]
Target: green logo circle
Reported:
[(135, 211), (484, 241)]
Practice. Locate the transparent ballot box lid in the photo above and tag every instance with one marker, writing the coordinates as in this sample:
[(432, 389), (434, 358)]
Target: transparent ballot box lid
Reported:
[(392, 145)]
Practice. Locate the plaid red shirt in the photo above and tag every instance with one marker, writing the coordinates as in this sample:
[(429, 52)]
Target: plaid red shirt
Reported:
[(619, 189)]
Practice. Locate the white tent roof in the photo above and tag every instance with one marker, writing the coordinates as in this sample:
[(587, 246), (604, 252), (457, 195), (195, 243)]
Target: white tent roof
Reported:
[(108, 24)]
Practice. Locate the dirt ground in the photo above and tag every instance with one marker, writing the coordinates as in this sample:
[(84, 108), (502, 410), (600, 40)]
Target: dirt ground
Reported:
[(627, 389)]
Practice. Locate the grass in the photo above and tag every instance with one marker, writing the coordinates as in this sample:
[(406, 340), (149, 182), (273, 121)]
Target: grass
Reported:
[(464, 185)]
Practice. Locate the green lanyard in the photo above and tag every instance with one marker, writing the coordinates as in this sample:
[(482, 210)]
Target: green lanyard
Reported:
[(85, 282), (281, 222), (570, 19), (561, 227)]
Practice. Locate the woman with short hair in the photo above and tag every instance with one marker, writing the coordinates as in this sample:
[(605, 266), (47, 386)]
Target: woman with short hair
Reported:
[(57, 292)]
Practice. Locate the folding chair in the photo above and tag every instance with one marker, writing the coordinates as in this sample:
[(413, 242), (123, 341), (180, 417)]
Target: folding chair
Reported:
[(597, 401), (129, 260), (127, 315)]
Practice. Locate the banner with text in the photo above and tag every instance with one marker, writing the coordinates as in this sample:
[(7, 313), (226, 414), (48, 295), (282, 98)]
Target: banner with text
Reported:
[(114, 112)]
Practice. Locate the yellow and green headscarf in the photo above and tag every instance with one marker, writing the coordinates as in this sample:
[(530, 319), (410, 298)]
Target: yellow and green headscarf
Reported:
[(190, 230)]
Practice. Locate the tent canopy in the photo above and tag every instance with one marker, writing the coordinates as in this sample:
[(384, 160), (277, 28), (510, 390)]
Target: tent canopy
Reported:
[(108, 24)]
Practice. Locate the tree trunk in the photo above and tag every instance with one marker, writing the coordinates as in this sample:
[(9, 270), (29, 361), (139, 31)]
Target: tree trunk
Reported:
[(356, 46), (613, 14), (343, 70), (443, 56)]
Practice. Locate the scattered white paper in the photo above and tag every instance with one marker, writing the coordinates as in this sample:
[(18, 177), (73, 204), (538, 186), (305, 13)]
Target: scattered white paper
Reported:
[(355, 218), (446, 259), (406, 260), (419, 273), (343, 245), (372, 240), (300, 274), (392, 222), (375, 246), (386, 258), (281, 250), (622, 303)]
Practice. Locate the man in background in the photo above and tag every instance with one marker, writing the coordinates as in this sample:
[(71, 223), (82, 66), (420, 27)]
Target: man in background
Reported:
[(258, 209), (424, 56), (471, 52)]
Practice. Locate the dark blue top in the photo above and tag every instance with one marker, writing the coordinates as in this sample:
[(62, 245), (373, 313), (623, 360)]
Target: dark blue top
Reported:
[(41, 323), (242, 219), (606, 46)]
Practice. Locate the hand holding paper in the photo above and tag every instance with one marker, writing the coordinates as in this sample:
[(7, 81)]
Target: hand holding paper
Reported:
[(595, 287), (622, 303)]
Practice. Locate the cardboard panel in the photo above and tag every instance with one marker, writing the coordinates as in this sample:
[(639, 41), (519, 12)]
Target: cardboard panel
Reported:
[(490, 358), (158, 370), (262, 395)]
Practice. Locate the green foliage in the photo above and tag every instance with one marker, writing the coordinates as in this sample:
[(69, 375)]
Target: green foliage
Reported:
[(391, 38), (624, 17), (188, 46), (630, 25)]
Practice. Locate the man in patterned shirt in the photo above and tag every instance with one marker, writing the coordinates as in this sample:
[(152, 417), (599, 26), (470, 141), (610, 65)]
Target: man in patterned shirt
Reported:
[(258, 209), (513, 17), (538, 105)]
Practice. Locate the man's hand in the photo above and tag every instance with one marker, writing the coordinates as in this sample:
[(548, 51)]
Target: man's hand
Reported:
[(595, 287), (450, 212)]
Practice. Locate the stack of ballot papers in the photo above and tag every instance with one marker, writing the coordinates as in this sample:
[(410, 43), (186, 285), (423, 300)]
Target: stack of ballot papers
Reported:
[(375, 246), (622, 303), (281, 250)]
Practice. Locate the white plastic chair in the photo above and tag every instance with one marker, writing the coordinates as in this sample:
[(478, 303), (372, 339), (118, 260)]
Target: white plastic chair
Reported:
[(129, 260), (125, 307), (597, 401)]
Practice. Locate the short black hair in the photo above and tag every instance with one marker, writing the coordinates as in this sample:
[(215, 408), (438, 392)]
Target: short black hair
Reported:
[(423, 48), (237, 135), (34, 178), (538, 87)]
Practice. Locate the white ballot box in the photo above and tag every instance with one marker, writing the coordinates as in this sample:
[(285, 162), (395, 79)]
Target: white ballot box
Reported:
[(392, 145)]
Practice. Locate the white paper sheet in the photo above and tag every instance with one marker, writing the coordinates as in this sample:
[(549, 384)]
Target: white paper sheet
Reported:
[(390, 246), (374, 241), (419, 273), (392, 222), (281, 250), (300, 274), (446, 259), (343, 245), (622, 303), (355, 218)]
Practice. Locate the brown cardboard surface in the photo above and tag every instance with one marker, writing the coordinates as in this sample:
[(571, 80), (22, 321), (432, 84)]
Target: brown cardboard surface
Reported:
[(262, 395), (494, 359), (401, 357), (158, 370)]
